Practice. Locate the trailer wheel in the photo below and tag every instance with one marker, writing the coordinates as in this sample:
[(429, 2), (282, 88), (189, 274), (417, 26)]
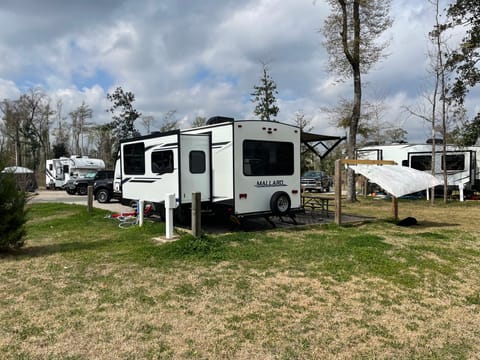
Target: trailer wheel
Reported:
[(280, 203)]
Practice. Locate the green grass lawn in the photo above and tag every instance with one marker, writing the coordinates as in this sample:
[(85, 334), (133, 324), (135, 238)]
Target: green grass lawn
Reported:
[(84, 288)]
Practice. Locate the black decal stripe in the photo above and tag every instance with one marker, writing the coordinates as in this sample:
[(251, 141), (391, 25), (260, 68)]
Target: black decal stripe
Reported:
[(221, 143), (147, 181)]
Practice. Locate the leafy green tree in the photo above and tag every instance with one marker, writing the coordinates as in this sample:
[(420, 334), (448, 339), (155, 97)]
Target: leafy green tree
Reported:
[(351, 35), (122, 125), (468, 134), (465, 14), (13, 214), (123, 114), (264, 95), (59, 150)]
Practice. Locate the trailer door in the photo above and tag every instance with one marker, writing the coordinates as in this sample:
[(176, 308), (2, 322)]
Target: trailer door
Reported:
[(195, 165)]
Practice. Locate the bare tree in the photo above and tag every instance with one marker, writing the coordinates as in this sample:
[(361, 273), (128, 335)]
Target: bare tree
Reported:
[(436, 107), (60, 132), (199, 121), (170, 122), (147, 122), (35, 113), (351, 35), (307, 158), (80, 125)]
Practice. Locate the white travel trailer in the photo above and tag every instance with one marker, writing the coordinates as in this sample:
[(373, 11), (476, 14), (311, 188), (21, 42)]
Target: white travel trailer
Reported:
[(59, 171), (241, 168), (462, 163)]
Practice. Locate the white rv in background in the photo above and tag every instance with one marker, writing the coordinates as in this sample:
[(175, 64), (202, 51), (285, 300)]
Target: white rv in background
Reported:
[(462, 163), (241, 168), (59, 171)]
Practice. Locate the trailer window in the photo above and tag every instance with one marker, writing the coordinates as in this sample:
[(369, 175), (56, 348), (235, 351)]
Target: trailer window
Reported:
[(197, 162), (134, 159), (268, 158), (421, 162), (162, 162), (455, 162)]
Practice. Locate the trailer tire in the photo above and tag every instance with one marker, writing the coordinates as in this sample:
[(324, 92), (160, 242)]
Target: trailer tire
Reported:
[(280, 203)]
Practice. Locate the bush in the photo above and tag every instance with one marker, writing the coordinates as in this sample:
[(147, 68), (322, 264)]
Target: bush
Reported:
[(13, 214)]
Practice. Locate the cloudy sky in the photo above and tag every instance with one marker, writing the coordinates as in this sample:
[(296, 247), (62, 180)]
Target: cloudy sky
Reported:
[(202, 58)]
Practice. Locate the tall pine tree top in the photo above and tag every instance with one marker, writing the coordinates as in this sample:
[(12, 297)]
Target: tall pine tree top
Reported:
[(264, 96)]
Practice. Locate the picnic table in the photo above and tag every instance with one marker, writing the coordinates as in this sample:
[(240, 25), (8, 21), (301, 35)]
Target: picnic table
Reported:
[(317, 203)]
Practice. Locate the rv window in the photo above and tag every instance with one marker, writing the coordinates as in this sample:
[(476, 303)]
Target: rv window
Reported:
[(162, 162), (134, 159), (197, 162), (455, 162), (421, 162), (65, 169), (50, 167), (269, 158)]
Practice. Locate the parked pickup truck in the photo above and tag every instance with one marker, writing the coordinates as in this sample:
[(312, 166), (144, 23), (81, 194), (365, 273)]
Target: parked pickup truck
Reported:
[(103, 190), (315, 181), (79, 185)]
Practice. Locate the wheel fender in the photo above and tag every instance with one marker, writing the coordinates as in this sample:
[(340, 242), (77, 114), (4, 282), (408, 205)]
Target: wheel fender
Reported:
[(280, 203)]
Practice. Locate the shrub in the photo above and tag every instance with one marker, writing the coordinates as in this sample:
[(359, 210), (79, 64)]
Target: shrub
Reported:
[(13, 214)]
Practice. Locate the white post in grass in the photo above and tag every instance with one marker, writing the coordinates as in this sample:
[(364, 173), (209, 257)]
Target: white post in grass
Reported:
[(141, 206), (170, 204)]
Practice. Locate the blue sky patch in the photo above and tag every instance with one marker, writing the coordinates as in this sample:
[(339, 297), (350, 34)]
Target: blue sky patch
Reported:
[(101, 78)]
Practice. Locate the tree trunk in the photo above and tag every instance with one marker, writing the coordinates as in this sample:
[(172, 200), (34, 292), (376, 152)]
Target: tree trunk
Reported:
[(354, 59)]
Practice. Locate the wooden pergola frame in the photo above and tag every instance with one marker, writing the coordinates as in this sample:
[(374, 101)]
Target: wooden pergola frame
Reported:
[(338, 184)]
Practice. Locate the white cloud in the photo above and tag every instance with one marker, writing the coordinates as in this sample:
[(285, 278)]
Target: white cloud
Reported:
[(8, 90), (201, 57)]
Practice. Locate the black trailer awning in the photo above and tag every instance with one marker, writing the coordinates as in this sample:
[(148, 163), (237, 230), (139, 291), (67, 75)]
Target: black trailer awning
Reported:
[(312, 141)]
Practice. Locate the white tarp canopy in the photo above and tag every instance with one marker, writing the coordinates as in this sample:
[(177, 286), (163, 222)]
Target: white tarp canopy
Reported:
[(397, 180)]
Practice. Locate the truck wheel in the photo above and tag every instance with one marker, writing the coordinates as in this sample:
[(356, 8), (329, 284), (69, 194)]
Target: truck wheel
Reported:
[(280, 203), (82, 190), (103, 196)]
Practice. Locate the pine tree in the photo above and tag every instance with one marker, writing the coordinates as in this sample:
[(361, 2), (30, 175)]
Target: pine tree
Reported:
[(264, 96)]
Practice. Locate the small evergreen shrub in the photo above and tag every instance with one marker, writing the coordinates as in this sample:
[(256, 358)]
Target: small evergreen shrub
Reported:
[(13, 214)]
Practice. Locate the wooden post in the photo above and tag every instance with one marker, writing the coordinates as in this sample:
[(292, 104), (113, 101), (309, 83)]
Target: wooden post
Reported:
[(395, 208), (90, 198), (338, 192), (196, 214)]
